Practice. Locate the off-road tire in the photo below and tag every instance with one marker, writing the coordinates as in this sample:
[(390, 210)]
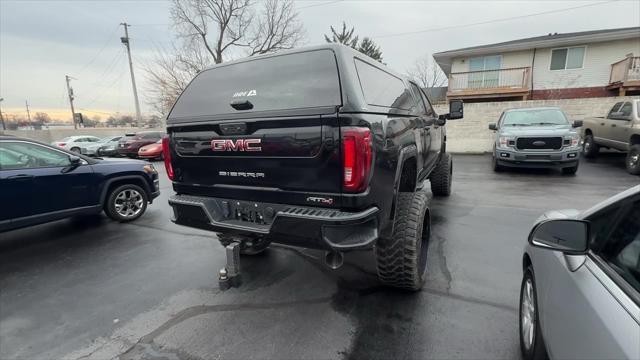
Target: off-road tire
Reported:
[(442, 176), (589, 147), (110, 204), (402, 259), (633, 167), (570, 170), (537, 351), (249, 245)]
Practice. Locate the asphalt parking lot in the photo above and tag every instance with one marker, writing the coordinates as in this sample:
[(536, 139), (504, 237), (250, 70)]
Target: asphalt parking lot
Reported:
[(95, 289)]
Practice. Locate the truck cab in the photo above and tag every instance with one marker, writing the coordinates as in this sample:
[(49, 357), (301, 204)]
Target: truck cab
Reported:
[(619, 130)]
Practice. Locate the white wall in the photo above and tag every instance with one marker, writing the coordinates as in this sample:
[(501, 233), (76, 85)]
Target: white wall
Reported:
[(595, 71), (596, 66)]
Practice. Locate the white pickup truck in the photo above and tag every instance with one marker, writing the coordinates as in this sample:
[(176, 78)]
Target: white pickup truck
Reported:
[(619, 130)]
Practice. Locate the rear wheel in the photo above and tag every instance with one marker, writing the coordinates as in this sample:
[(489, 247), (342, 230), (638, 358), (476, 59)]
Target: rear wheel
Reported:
[(249, 245), (75, 149), (531, 341), (589, 147), (402, 259), (633, 160), (442, 176)]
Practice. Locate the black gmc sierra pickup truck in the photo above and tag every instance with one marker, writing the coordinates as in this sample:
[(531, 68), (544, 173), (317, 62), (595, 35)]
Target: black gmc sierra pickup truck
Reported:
[(319, 147)]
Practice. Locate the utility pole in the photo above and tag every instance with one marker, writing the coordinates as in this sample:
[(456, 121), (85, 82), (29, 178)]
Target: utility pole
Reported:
[(70, 93), (125, 41), (1, 117), (26, 103)]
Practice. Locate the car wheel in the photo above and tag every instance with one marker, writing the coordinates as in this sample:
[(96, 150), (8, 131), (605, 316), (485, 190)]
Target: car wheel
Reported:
[(402, 259), (633, 160), (75, 149), (570, 170), (126, 203), (496, 167), (589, 147), (249, 245), (531, 341), (442, 176)]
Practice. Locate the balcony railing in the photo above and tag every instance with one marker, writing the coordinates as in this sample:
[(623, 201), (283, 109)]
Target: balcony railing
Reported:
[(624, 70), (490, 81)]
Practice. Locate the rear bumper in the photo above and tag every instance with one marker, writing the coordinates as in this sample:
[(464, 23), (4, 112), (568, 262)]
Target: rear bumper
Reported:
[(311, 227), (538, 159)]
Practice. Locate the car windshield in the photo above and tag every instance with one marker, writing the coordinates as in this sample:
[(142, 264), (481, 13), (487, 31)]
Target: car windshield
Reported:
[(534, 117)]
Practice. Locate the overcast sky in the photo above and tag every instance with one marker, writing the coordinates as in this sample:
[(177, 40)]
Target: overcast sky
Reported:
[(42, 41)]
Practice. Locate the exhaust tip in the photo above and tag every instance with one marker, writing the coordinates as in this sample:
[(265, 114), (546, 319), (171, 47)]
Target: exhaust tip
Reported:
[(334, 259)]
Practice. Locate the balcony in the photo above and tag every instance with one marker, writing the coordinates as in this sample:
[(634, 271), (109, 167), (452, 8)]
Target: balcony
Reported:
[(502, 83), (625, 75)]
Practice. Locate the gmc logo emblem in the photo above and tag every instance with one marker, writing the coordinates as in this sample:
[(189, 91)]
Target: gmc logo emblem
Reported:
[(238, 145)]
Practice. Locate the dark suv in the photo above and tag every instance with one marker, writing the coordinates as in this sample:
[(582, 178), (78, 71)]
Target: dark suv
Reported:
[(131, 143), (41, 183), (320, 147)]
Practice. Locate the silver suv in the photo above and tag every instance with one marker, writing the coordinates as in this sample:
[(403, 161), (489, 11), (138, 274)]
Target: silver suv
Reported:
[(536, 138), (580, 293)]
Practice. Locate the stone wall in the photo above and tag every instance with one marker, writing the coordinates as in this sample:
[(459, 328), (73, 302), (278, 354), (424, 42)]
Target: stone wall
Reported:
[(472, 135), (51, 135)]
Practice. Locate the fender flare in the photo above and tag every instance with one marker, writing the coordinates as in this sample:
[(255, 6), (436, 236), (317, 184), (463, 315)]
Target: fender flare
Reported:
[(107, 184)]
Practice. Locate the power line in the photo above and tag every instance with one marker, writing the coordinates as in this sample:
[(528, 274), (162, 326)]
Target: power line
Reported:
[(109, 39), (492, 21), (321, 4)]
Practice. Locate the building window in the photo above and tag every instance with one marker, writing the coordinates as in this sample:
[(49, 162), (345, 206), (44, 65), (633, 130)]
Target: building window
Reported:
[(567, 58)]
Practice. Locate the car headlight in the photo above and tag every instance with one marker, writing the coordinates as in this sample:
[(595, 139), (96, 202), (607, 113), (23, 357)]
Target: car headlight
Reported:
[(503, 141), (572, 140), (149, 169)]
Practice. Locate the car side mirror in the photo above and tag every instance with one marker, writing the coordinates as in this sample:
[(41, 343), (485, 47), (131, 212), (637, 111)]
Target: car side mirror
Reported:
[(493, 126), (456, 110), (577, 124), (569, 236), (75, 160)]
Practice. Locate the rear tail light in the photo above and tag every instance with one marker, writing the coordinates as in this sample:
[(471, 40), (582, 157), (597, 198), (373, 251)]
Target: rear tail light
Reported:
[(62, 144), (166, 154), (357, 154)]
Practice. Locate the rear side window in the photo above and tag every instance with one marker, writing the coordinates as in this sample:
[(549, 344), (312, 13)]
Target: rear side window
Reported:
[(292, 81), (383, 89)]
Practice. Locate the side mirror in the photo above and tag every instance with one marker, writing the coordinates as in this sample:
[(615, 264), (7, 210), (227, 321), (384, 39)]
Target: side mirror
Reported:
[(567, 235), (456, 110), (75, 160), (493, 126), (577, 124)]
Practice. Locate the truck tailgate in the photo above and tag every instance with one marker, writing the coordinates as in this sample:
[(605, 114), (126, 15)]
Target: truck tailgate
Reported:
[(277, 154)]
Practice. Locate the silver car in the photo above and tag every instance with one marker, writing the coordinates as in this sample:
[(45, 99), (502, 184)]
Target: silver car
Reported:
[(580, 293)]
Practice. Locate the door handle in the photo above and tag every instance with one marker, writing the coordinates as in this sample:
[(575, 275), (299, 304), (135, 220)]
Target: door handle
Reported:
[(613, 125), (20, 177), (602, 124)]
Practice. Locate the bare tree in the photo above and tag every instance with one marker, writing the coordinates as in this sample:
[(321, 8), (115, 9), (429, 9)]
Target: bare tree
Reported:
[(170, 73), (41, 118), (212, 31), (427, 73), (277, 28)]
